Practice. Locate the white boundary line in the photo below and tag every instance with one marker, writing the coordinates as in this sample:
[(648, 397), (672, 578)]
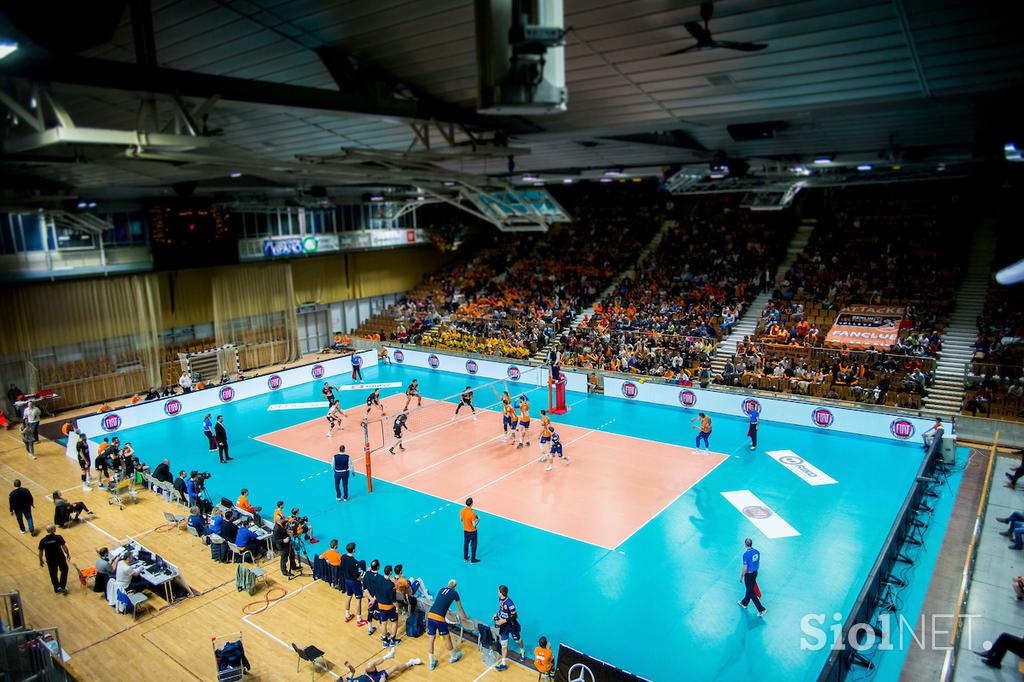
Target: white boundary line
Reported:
[(532, 461), (446, 459)]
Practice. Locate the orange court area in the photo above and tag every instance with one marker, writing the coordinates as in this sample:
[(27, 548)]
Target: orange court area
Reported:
[(602, 497)]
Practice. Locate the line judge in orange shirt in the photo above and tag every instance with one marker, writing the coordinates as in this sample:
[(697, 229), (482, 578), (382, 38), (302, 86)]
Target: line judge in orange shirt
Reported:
[(470, 520)]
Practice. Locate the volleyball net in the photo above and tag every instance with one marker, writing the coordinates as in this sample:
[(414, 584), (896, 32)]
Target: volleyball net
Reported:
[(429, 416)]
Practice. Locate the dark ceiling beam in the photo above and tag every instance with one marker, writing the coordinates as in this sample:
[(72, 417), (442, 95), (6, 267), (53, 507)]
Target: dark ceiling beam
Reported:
[(125, 76)]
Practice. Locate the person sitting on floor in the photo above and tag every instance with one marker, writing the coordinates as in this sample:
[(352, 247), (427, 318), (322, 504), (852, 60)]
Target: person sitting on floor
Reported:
[(64, 511)]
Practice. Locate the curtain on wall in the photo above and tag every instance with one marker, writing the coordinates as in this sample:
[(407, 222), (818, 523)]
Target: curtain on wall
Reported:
[(121, 313), (254, 305)]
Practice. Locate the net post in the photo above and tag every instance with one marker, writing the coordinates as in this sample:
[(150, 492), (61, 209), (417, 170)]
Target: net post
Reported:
[(551, 393), (366, 454)]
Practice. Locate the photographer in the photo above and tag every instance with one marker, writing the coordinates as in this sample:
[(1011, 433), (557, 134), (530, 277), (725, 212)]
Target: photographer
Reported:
[(298, 526), (283, 544)]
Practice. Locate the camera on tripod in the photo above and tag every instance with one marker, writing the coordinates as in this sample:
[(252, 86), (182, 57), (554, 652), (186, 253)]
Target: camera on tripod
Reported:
[(296, 524)]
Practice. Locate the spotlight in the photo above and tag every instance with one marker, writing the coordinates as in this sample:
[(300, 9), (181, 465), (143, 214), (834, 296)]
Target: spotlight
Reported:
[(7, 47)]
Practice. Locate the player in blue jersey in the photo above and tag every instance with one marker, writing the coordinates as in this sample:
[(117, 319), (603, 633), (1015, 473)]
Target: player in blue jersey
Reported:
[(437, 623), (373, 672), (555, 451), (507, 620)]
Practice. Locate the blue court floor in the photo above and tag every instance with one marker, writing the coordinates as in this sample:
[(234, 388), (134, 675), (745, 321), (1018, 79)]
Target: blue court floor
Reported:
[(662, 604)]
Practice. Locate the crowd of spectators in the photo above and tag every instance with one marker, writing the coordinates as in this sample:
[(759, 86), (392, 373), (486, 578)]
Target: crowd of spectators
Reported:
[(995, 383), (547, 281), (871, 246), (666, 318)]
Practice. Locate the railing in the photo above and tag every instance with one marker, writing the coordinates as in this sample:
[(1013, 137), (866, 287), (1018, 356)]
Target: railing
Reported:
[(100, 388), (949, 664), (1011, 370), (876, 595)]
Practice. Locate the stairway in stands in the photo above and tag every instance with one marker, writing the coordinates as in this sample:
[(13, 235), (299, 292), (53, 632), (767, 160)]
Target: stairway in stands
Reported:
[(542, 354), (946, 395), (748, 321)]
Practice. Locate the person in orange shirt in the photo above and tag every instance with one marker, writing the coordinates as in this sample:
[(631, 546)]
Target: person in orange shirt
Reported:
[(470, 521), (524, 421), (332, 555), (543, 658), (243, 502), (704, 430), (65, 427)]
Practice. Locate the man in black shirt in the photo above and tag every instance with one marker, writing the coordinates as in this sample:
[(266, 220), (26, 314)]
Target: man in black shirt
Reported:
[(283, 544), (228, 529), (221, 434), (162, 472), (53, 547), (181, 486), (21, 503)]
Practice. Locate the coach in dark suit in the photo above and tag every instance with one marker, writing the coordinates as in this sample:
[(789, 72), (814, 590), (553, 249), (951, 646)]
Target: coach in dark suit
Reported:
[(221, 434)]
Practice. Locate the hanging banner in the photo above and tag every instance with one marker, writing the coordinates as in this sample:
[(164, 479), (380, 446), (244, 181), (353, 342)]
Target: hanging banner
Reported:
[(864, 326)]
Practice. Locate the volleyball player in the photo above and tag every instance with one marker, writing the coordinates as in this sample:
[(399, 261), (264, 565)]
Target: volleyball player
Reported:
[(703, 430), (334, 416), (513, 424), (400, 423), (437, 622), (545, 433), (524, 421), (413, 392), (507, 620), (373, 400), (375, 673), (466, 399), (328, 393), (506, 403), (556, 450)]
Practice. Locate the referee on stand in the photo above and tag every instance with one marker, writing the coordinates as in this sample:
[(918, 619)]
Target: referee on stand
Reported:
[(751, 562), (342, 469)]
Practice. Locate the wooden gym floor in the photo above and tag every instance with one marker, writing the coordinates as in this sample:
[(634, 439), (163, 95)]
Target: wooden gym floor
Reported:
[(174, 642)]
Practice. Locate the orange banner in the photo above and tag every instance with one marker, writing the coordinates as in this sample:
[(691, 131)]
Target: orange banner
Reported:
[(863, 326)]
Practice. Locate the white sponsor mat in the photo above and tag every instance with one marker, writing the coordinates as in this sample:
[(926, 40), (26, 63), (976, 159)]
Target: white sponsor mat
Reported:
[(368, 387), (761, 515), (318, 405), (809, 473)]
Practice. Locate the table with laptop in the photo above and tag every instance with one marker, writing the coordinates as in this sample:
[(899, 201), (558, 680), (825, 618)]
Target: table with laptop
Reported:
[(160, 575)]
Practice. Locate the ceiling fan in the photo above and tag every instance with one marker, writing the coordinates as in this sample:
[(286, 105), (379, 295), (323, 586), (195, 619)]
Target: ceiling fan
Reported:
[(703, 36)]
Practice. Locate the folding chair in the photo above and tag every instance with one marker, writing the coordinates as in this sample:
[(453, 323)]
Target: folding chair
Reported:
[(313, 656), (171, 518), (236, 550), (194, 533)]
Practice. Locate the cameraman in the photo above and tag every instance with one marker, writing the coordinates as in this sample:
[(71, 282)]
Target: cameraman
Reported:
[(283, 544), (298, 526)]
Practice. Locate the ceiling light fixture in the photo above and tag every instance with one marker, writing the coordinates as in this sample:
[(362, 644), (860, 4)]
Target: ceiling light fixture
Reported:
[(7, 47), (236, 174), (824, 160), (865, 167)]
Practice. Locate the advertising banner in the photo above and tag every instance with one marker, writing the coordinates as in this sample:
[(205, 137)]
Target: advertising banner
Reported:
[(863, 326)]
